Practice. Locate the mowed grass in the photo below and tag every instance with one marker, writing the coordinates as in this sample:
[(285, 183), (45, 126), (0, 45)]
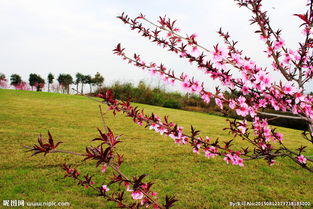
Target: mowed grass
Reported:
[(196, 181)]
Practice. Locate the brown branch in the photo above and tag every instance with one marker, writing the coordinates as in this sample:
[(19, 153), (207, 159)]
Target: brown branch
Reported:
[(280, 116), (101, 113), (302, 165), (292, 152), (264, 156)]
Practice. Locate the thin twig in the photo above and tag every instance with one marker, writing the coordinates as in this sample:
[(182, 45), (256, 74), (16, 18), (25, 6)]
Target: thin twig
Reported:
[(105, 195), (60, 151), (101, 114), (125, 177)]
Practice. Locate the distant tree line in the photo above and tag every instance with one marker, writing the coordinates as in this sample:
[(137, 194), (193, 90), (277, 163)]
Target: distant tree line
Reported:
[(36, 82)]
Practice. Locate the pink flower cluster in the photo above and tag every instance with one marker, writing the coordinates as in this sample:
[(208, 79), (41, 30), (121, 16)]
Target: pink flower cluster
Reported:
[(137, 195), (3, 83), (234, 159), (302, 159), (211, 152), (263, 131), (22, 86)]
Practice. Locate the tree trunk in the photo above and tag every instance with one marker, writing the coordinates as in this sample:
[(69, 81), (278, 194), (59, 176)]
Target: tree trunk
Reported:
[(82, 90)]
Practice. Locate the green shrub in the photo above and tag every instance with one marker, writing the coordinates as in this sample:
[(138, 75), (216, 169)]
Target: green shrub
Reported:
[(171, 103)]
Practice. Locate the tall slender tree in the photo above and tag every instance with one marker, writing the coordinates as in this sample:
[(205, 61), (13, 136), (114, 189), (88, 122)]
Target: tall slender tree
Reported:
[(32, 80), (79, 78), (89, 80), (83, 81), (50, 80)]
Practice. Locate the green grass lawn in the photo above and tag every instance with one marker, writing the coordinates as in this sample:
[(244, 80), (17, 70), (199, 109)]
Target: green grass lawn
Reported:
[(196, 181)]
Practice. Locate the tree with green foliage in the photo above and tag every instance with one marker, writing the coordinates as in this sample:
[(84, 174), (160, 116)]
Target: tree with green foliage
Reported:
[(89, 80), (15, 80), (40, 83), (86, 79), (50, 80), (79, 79), (32, 79), (37, 81), (98, 80), (83, 81), (65, 80)]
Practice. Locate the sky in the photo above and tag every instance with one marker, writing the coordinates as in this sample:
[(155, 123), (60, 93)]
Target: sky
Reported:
[(70, 36)]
